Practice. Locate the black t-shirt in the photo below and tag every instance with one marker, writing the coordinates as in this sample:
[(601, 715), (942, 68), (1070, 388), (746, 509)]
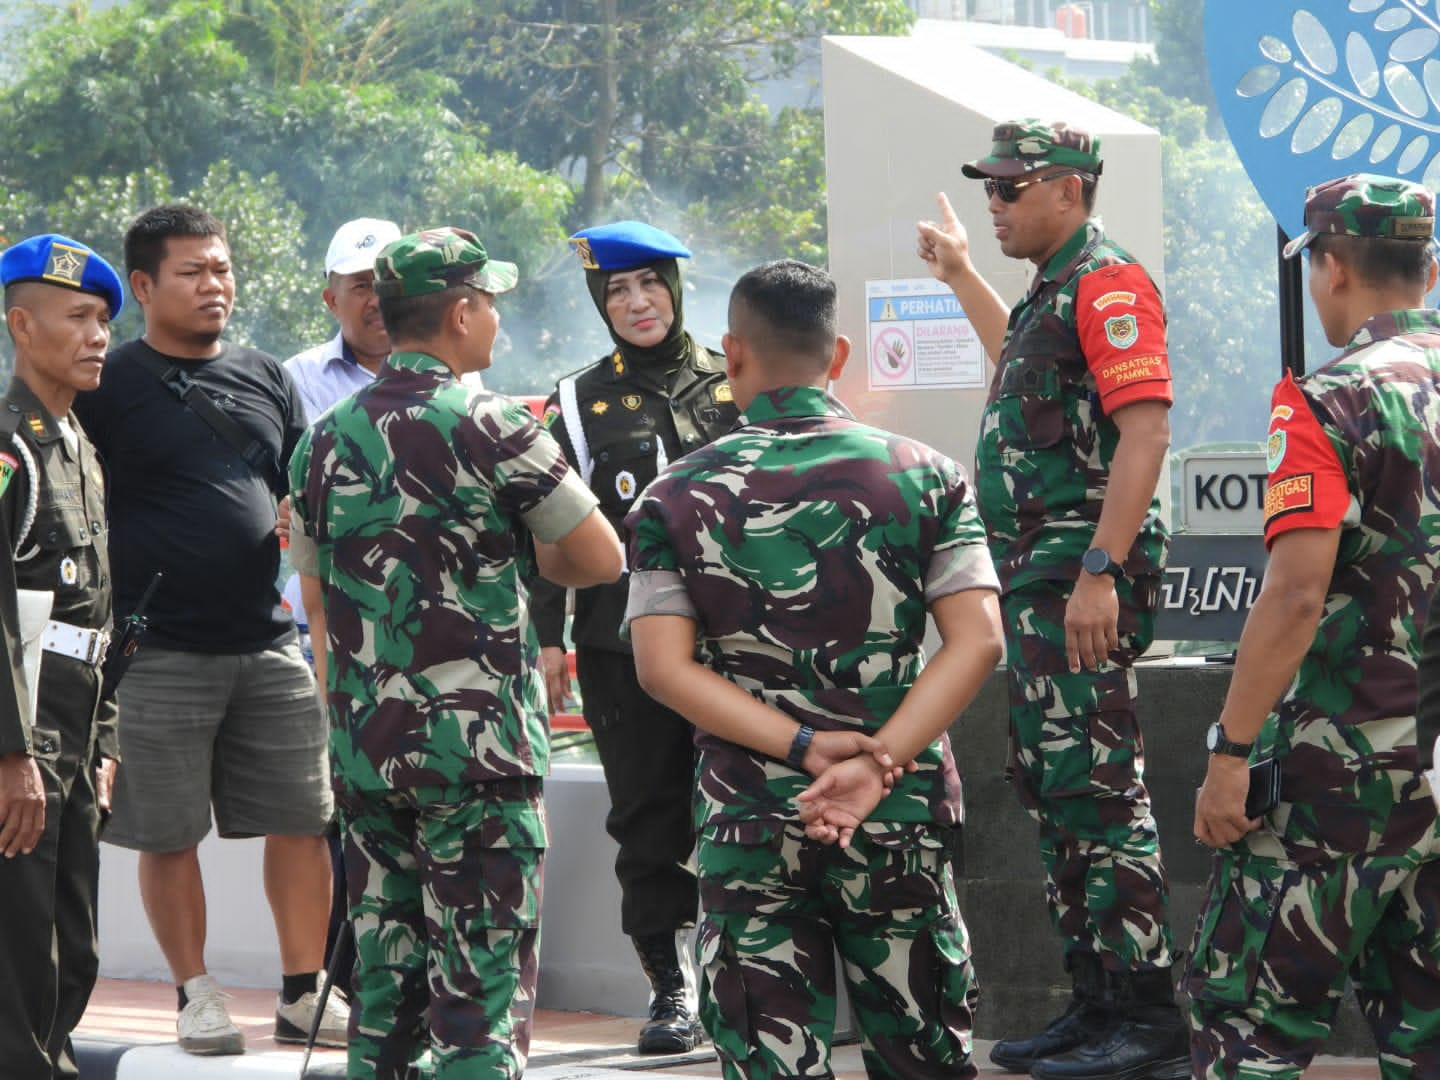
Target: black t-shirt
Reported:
[(182, 501)]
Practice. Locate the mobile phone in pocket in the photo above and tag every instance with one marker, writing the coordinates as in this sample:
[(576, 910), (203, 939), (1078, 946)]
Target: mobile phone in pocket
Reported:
[(1264, 793)]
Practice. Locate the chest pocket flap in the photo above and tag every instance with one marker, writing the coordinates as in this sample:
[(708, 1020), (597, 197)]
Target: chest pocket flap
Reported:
[(1031, 404)]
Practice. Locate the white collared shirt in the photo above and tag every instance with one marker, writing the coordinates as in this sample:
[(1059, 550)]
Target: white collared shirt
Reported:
[(325, 374)]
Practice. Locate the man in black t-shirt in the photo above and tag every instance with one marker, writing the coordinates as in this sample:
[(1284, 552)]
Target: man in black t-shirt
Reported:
[(219, 708)]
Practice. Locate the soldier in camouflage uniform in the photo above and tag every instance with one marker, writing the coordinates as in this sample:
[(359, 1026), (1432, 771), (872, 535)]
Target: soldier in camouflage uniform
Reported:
[(59, 299), (804, 549), (1341, 880), (658, 395), (1071, 445), (414, 504), (1427, 718)]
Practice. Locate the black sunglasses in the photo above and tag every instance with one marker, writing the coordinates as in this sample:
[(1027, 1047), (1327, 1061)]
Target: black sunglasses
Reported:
[(1009, 190)]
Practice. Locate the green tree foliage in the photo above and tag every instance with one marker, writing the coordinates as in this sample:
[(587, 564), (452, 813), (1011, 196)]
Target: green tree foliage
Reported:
[(239, 107), (646, 102), (1220, 241), (522, 119)]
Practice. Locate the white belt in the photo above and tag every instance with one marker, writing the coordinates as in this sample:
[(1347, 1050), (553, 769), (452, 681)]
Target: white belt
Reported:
[(75, 641)]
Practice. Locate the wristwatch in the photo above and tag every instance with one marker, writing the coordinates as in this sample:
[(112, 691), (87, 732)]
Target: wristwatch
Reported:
[(1217, 743), (1098, 561)]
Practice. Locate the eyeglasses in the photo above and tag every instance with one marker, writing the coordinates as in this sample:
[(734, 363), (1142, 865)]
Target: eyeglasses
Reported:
[(1009, 190)]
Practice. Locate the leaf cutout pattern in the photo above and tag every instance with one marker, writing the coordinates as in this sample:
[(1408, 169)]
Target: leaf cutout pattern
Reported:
[(1431, 179), (1353, 136), (1432, 80), (1414, 45), (1272, 48), (1258, 80), (1397, 18), (1405, 88), (1384, 144), (1316, 125), (1314, 42), (1324, 102), (1360, 60), (1284, 107), (1412, 155)]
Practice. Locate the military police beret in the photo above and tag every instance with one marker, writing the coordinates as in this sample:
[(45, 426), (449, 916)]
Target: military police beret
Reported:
[(58, 260), (625, 245)]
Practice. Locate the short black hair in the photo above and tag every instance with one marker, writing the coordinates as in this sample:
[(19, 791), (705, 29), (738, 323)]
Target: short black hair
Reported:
[(1380, 261), (1089, 188), (418, 318), (145, 239), (786, 309)]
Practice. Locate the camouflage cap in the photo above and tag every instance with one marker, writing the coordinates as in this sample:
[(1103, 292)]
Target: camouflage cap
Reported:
[(1366, 204), (1022, 146), (436, 259)]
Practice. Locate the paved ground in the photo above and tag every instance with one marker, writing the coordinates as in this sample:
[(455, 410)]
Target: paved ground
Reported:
[(129, 1031)]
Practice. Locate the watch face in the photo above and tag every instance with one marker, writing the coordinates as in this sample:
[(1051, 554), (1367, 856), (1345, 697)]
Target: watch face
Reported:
[(1212, 737), (1096, 561)]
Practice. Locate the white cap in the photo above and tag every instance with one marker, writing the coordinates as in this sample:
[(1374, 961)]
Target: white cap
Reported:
[(356, 243)]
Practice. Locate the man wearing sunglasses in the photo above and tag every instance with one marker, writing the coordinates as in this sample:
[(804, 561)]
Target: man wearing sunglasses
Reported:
[(1071, 446)]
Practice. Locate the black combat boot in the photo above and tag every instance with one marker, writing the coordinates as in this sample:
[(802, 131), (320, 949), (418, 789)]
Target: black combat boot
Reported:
[(1086, 1018), (1147, 1041), (673, 1027)]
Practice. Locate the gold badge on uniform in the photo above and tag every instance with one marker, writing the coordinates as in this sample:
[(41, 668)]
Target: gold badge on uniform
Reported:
[(631, 401), (600, 408), (625, 485), (66, 265), (722, 393), (69, 572), (37, 423), (618, 362), (581, 245)]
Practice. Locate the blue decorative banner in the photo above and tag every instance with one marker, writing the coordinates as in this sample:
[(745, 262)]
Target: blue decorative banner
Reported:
[(1314, 89)]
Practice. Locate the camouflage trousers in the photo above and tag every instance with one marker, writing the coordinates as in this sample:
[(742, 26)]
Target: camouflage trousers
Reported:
[(776, 907), (1287, 921), (444, 887), (1077, 763)]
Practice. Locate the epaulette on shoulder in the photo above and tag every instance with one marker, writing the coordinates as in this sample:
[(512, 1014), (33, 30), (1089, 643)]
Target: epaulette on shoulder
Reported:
[(9, 420)]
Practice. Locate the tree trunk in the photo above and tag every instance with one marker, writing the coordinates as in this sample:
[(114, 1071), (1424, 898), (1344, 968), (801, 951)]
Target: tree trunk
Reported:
[(592, 199)]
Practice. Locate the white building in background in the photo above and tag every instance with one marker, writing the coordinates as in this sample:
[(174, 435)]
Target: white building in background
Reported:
[(1090, 39)]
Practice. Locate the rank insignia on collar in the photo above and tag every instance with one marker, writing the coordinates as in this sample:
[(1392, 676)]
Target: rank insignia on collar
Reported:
[(618, 362), (631, 401), (69, 572), (66, 265), (37, 423), (722, 393), (600, 408)]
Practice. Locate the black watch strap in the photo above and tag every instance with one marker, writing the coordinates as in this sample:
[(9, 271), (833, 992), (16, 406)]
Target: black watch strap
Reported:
[(796, 757)]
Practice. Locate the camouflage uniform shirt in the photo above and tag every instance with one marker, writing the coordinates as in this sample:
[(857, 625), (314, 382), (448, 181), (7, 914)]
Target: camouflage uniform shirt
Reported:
[(1088, 338), (419, 495), (806, 545), (1352, 445)]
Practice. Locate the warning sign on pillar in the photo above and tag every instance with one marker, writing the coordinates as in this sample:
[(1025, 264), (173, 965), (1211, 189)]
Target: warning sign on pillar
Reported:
[(920, 338)]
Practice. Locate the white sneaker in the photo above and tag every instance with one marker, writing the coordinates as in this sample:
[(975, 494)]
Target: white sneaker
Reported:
[(204, 1025), (292, 1022)]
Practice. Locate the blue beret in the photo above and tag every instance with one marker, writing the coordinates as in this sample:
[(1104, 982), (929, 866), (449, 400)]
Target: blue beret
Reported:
[(58, 260), (625, 245)]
